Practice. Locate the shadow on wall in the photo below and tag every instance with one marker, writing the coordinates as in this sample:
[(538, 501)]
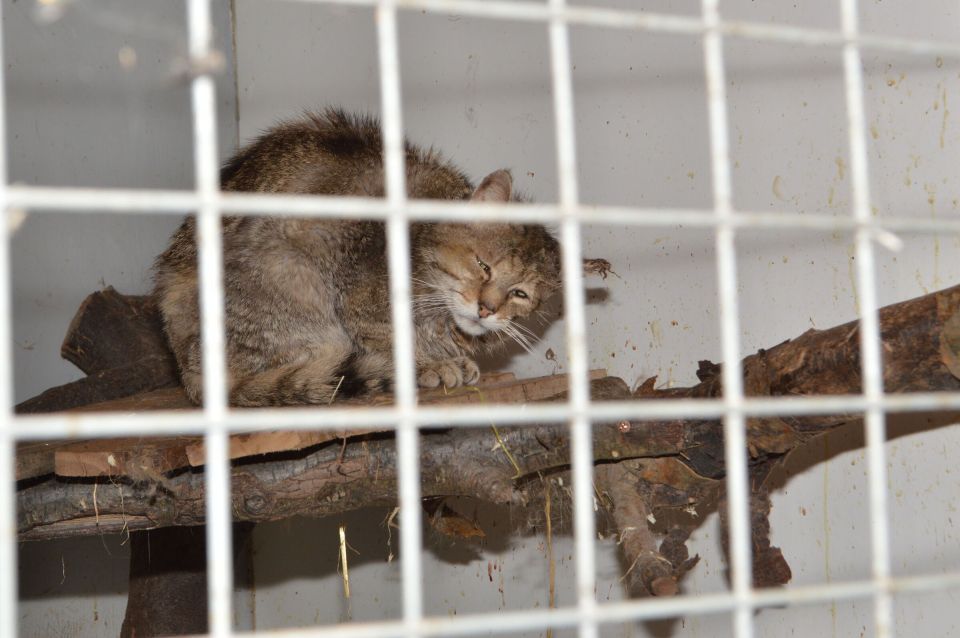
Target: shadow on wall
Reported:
[(73, 567), (371, 541), (851, 437)]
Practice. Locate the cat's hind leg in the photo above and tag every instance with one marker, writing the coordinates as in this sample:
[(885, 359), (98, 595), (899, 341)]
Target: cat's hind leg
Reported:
[(318, 380)]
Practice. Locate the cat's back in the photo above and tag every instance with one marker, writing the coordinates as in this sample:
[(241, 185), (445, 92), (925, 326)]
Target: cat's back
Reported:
[(332, 152), (328, 152)]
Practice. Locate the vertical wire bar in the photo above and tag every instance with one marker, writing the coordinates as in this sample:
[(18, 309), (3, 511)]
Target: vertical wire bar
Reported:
[(581, 436), (8, 526), (210, 256), (398, 255), (871, 360), (738, 494)]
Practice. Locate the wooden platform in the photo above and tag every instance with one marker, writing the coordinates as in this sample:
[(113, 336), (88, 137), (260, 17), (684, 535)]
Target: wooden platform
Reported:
[(154, 456)]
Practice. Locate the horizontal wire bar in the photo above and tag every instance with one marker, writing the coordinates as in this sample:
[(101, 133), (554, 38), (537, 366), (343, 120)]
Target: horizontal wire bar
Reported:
[(664, 23), (45, 200), (42, 199), (625, 611), (165, 423)]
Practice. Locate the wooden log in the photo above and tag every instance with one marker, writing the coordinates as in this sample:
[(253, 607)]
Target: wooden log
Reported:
[(139, 459), (167, 594), (260, 443), (168, 581), (143, 458), (118, 341), (142, 375), (647, 571), (503, 388), (111, 330), (770, 568), (327, 480), (34, 458), (921, 337)]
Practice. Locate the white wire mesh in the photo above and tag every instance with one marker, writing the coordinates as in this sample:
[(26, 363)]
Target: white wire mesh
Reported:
[(209, 254), (398, 239), (581, 439), (870, 357), (734, 425), (8, 525), (216, 420)]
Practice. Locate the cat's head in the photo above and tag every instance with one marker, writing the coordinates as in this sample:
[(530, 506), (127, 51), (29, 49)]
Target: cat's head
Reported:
[(487, 275)]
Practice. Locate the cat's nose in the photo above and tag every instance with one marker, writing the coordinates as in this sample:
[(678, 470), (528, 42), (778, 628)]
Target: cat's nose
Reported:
[(486, 309)]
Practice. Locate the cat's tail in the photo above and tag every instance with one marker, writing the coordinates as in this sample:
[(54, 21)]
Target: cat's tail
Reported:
[(315, 382)]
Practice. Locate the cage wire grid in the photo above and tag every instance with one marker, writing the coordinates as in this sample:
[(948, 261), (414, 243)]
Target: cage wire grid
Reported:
[(216, 420)]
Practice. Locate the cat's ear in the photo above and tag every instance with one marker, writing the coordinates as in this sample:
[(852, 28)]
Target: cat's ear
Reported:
[(495, 187)]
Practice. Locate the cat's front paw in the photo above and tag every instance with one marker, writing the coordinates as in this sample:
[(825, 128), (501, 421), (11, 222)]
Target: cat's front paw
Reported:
[(449, 373)]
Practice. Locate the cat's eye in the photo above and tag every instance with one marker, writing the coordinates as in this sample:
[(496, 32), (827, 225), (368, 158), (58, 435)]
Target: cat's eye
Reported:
[(483, 266), (519, 294)]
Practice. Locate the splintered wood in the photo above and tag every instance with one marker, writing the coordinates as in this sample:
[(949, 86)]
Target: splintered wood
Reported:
[(151, 457)]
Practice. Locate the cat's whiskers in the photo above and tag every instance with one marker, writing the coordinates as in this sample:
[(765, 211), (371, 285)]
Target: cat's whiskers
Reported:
[(525, 329), (430, 302), (426, 284), (542, 317), (519, 339), (509, 328), (530, 336), (418, 302), (427, 307)]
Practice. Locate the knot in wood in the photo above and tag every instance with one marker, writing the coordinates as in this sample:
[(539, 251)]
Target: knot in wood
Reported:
[(254, 503)]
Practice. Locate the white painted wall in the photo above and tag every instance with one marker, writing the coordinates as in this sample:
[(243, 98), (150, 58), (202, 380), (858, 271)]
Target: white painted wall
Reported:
[(77, 116), (480, 91)]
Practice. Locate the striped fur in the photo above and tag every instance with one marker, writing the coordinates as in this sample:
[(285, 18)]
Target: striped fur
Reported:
[(307, 300)]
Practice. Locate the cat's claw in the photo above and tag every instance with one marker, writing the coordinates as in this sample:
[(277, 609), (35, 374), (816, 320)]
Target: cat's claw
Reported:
[(449, 373)]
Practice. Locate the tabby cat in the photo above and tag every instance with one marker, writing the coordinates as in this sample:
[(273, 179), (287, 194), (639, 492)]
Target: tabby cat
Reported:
[(307, 300)]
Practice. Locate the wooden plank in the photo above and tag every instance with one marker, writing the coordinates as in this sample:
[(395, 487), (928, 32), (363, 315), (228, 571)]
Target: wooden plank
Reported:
[(34, 458), (257, 443), (494, 378), (142, 375), (162, 399), (89, 525), (139, 458), (522, 391), (111, 330), (150, 458)]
